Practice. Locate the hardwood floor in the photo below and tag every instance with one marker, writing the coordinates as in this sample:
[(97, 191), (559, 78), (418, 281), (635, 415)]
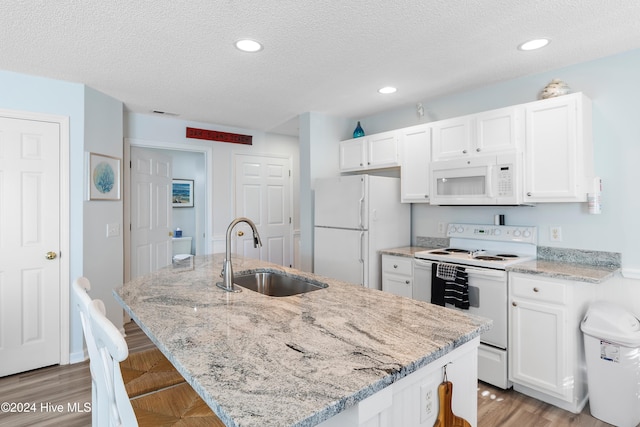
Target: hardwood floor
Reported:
[(44, 390)]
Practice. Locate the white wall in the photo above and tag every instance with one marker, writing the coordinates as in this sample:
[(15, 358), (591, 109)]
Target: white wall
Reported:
[(612, 85), (150, 128)]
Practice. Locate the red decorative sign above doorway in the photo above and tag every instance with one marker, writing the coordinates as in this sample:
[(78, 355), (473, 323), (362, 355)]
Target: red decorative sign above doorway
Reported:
[(214, 135)]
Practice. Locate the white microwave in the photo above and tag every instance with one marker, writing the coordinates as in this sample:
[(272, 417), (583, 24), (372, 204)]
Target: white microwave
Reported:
[(481, 180)]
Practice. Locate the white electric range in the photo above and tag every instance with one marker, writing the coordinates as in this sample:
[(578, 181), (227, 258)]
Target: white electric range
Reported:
[(485, 251)]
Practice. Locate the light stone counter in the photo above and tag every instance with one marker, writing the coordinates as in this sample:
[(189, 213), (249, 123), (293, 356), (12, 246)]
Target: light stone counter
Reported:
[(291, 361), (566, 270)]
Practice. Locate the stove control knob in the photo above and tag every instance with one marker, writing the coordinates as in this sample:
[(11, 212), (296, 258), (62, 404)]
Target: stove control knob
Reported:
[(460, 229), (516, 233), (497, 232), (526, 233)]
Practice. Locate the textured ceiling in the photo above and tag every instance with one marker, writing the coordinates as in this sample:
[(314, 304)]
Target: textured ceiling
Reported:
[(321, 55)]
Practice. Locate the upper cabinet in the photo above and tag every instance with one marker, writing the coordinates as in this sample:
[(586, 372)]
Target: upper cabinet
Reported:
[(558, 149), (415, 154), (370, 152), (484, 133)]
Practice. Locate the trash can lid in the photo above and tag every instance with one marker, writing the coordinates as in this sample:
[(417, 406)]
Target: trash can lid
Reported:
[(613, 323)]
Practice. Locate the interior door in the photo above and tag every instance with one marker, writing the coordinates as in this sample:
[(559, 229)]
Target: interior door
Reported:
[(151, 211), (262, 194), (29, 244)]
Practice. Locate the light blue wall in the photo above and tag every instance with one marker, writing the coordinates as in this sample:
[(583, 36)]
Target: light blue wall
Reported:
[(95, 123), (612, 84)]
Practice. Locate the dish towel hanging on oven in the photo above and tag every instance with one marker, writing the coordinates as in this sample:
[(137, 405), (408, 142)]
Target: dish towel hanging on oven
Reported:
[(449, 284)]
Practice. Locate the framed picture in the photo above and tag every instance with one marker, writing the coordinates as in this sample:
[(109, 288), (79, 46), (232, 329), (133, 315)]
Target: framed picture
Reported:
[(104, 177), (182, 194)]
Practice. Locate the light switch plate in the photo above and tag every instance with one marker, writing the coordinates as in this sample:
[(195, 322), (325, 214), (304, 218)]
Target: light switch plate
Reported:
[(113, 230)]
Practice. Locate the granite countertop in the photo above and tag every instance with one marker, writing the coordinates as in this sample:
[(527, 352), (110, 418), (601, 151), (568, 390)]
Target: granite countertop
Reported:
[(290, 361), (566, 270), (406, 251)]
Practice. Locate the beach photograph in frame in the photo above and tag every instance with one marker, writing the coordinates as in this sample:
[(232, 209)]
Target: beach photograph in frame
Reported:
[(103, 177), (182, 194)]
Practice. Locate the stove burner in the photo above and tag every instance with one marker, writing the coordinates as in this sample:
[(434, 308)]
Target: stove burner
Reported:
[(457, 250), (489, 258), (507, 255), (440, 253)]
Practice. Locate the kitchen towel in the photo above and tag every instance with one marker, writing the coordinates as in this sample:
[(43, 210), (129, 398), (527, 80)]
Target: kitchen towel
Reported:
[(449, 285)]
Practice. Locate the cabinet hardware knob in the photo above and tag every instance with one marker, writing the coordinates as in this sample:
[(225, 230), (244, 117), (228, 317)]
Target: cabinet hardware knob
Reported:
[(529, 193), (407, 282), (360, 164), (395, 265), (51, 255), (464, 151), (478, 149), (536, 290), (514, 304)]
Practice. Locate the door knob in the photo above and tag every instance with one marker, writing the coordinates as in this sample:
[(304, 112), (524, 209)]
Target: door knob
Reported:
[(240, 233), (51, 255)]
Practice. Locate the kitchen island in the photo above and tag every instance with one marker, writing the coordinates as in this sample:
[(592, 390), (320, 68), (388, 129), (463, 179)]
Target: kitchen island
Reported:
[(339, 356)]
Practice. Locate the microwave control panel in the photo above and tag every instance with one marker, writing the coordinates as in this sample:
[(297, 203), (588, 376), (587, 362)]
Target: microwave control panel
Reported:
[(505, 181)]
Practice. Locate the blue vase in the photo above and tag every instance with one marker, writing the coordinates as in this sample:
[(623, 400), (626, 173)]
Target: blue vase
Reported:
[(358, 131)]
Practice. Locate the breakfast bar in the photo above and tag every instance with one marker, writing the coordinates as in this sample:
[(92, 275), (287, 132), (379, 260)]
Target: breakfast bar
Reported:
[(341, 355)]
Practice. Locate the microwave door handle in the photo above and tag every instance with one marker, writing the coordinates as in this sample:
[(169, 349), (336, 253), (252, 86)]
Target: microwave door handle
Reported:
[(490, 172)]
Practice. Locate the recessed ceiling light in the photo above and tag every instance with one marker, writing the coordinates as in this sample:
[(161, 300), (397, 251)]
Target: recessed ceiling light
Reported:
[(387, 89), (534, 44), (247, 45)]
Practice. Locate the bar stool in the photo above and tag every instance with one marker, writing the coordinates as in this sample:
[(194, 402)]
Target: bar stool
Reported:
[(177, 405)]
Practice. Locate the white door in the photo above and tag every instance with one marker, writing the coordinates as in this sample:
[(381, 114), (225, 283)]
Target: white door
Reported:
[(29, 244), (262, 194), (151, 211)]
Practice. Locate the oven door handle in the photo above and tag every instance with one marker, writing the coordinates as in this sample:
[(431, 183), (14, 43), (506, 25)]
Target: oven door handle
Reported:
[(484, 272)]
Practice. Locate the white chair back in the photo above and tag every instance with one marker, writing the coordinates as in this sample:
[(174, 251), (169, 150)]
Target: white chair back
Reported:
[(112, 349), (79, 289)]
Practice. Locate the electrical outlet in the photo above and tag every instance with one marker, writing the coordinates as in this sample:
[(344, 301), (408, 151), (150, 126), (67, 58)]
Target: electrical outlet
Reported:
[(427, 402), (442, 227), (555, 233)]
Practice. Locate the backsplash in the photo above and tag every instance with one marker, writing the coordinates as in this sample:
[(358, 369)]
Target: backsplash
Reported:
[(580, 256), (432, 242)]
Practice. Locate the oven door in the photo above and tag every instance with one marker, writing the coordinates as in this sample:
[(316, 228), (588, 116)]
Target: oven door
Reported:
[(487, 297)]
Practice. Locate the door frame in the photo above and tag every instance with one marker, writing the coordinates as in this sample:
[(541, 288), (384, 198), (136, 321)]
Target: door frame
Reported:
[(64, 226), (207, 151)]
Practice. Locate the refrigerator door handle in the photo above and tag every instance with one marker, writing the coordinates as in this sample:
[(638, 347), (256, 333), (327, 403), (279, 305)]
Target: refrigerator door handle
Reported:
[(361, 249)]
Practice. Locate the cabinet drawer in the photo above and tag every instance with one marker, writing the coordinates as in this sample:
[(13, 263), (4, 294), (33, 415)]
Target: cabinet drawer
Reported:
[(539, 290), (397, 265)]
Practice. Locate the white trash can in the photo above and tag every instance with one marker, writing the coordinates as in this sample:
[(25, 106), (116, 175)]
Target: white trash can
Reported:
[(612, 353)]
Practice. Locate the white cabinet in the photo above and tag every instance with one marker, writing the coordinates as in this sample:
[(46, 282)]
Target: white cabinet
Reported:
[(485, 133), (546, 360), (370, 152), (415, 154), (558, 149), (397, 275)]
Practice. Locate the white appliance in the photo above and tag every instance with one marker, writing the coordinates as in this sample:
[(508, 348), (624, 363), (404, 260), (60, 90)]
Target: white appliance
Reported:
[(484, 251), (481, 180), (356, 216)]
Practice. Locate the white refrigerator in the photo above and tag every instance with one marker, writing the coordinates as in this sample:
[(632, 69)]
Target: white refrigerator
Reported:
[(356, 216)]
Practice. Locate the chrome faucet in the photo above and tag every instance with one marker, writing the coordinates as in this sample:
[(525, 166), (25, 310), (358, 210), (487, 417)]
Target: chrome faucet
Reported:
[(227, 269)]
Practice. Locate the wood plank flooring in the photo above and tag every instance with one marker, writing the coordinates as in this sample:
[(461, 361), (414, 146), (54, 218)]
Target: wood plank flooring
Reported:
[(66, 385)]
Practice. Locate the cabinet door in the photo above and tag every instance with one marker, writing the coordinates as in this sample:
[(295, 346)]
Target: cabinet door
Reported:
[(382, 150), (499, 130), (452, 138), (552, 153), (538, 348), (415, 146), (352, 154)]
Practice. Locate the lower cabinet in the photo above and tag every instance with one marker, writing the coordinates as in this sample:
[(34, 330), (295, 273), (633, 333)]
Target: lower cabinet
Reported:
[(546, 357), (397, 275)]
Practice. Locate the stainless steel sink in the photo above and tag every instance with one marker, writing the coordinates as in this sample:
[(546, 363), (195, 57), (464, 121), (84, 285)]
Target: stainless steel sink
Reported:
[(276, 284)]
